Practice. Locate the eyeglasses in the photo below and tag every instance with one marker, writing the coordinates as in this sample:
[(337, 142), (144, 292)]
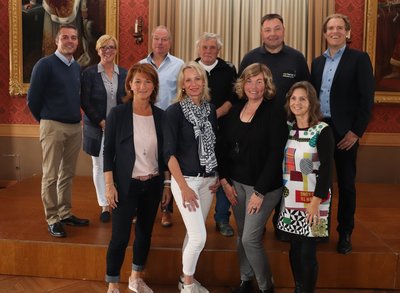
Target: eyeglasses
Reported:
[(105, 48)]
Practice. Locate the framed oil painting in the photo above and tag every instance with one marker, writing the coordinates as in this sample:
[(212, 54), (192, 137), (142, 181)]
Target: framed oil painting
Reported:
[(33, 25), (382, 33)]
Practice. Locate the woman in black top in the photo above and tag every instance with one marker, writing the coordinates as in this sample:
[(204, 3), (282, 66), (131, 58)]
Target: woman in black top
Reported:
[(252, 143), (189, 150)]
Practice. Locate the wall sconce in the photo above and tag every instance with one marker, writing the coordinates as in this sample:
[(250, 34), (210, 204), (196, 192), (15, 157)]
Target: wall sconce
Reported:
[(348, 38), (138, 32)]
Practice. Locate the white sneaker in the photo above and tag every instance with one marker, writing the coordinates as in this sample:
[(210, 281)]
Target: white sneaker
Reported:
[(194, 288), (181, 283), (139, 286)]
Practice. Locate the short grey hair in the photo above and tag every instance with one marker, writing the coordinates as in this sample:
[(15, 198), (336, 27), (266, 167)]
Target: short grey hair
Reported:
[(210, 36)]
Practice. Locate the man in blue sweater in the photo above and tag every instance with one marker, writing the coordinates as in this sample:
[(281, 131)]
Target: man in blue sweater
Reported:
[(54, 100)]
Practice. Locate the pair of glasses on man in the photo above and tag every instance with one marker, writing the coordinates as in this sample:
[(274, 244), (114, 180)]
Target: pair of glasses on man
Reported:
[(107, 48)]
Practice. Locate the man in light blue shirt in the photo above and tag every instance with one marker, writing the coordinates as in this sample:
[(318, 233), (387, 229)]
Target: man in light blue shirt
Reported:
[(331, 65), (167, 67), (344, 79)]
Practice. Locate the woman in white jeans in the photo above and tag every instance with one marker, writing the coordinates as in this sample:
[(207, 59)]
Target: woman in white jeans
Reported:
[(103, 86), (189, 150)]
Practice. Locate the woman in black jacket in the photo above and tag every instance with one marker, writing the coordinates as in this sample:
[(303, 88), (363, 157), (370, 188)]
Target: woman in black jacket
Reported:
[(252, 143), (134, 174), (103, 86)]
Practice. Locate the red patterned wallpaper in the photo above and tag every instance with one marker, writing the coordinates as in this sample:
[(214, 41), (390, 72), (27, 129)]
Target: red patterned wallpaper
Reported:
[(385, 118), (13, 110), (130, 52)]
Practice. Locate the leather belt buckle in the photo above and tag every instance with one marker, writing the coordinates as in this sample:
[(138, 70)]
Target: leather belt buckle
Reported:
[(205, 175), (145, 177)]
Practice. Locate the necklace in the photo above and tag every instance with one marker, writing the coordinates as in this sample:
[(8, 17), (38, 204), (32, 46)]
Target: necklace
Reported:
[(143, 131), (242, 114)]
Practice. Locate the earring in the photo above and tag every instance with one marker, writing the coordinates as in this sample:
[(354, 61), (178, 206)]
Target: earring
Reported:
[(183, 90)]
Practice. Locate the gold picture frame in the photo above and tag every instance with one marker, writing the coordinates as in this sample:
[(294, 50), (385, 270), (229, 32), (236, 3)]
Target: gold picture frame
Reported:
[(371, 28), (17, 85)]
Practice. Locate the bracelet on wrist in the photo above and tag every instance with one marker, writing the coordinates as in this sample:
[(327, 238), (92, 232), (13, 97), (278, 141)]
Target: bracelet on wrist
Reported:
[(259, 195), (167, 181)]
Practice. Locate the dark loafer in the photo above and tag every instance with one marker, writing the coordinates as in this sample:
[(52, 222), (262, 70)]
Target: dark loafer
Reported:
[(245, 287), (344, 245), (105, 216), (56, 230), (224, 229), (75, 221)]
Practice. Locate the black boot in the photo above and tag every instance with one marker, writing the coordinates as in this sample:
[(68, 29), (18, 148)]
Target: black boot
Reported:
[(344, 245), (310, 280), (245, 287), (295, 265), (298, 287)]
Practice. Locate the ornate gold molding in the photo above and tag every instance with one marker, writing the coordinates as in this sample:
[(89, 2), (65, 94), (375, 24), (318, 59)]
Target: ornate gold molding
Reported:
[(15, 42), (370, 19), (16, 85)]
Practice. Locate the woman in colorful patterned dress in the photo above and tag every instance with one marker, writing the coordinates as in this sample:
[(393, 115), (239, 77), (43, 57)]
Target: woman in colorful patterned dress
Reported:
[(307, 177)]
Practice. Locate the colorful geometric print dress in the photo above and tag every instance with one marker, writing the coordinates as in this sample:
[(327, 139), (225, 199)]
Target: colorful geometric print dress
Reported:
[(300, 175)]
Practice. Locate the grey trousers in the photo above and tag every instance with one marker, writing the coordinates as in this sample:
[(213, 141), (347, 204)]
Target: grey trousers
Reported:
[(252, 257)]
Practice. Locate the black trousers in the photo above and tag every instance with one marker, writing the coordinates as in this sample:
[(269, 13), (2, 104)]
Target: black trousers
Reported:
[(143, 200), (345, 162), (304, 264)]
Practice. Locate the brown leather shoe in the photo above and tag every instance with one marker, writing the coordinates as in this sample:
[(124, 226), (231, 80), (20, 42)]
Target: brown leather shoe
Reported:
[(166, 219)]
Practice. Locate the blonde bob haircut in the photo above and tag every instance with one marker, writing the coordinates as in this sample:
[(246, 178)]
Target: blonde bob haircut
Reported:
[(181, 93), (104, 39), (251, 71)]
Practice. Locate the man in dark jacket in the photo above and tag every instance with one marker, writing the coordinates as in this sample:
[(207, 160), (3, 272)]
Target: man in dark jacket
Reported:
[(344, 80), (221, 78)]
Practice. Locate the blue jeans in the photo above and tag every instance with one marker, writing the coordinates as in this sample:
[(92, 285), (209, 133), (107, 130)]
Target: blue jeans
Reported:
[(222, 206)]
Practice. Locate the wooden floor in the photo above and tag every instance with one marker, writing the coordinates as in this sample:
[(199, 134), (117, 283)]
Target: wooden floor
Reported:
[(18, 284), (26, 248)]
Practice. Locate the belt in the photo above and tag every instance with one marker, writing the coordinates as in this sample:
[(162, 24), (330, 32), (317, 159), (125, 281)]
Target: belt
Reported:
[(145, 177), (202, 174)]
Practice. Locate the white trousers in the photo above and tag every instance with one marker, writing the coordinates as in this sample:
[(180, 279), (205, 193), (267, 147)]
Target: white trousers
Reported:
[(194, 221), (98, 177)]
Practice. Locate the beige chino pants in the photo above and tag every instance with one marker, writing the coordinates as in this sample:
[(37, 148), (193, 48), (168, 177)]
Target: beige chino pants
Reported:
[(60, 143)]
